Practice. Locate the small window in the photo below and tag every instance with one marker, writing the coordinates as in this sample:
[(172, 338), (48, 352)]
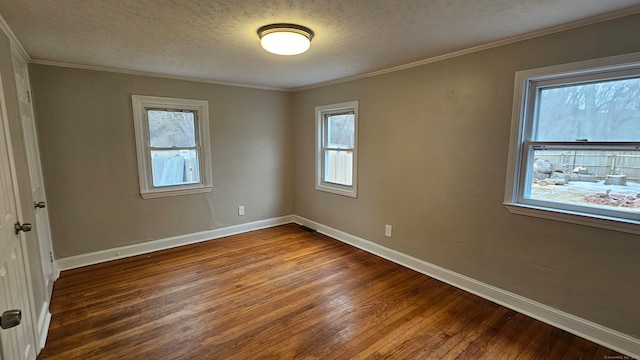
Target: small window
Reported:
[(575, 144), (172, 141), (336, 141)]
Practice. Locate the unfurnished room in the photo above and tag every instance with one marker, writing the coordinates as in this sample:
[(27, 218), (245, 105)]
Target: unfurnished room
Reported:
[(382, 179)]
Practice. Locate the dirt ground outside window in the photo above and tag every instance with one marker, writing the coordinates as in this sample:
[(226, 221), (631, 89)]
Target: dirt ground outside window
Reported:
[(613, 197)]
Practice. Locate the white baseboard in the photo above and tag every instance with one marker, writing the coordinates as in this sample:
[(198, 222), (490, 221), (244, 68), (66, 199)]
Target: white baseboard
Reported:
[(586, 329), (599, 334), (167, 243), (56, 272), (43, 325)]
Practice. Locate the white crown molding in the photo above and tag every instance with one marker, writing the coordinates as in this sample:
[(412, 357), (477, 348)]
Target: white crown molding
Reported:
[(77, 261), (15, 44), (152, 74), (584, 328), (491, 45), (507, 41)]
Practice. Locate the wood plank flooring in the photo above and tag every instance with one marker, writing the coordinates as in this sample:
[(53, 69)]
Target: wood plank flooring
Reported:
[(284, 293)]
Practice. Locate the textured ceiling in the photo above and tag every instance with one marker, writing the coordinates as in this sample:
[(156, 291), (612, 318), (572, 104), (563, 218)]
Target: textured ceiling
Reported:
[(216, 39)]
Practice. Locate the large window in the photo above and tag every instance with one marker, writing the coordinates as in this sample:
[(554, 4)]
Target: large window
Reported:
[(172, 139), (575, 143), (336, 141)]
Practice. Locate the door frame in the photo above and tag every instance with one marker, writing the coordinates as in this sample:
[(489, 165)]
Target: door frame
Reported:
[(50, 271), (29, 311)]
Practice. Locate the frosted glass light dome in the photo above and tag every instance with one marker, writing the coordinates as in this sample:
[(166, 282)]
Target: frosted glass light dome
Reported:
[(285, 39)]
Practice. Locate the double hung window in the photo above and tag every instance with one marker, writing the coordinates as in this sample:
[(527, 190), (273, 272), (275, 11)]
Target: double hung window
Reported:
[(575, 143), (172, 138), (336, 140)]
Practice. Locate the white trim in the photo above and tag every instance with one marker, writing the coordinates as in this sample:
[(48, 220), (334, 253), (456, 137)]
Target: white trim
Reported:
[(609, 223), (153, 74), (321, 111), (578, 68), (15, 44), (183, 190), (519, 132), (586, 329), (514, 39), (29, 297), (474, 49), (43, 325), (56, 274), (166, 243), (139, 104)]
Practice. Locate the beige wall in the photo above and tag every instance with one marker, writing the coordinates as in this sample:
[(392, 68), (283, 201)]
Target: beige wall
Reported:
[(433, 144), (89, 162)]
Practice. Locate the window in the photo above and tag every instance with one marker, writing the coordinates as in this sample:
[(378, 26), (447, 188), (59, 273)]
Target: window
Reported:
[(336, 143), (172, 141), (575, 144)]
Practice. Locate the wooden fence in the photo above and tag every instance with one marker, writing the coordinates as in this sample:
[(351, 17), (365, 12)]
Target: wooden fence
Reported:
[(598, 163), (339, 167)]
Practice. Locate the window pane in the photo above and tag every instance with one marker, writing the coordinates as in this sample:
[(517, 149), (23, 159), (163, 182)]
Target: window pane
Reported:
[(174, 167), (340, 131), (601, 179), (601, 111), (338, 167), (171, 128)]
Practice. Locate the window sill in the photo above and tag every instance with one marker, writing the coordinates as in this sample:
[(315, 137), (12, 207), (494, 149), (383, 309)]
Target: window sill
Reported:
[(152, 194), (349, 192), (603, 222)]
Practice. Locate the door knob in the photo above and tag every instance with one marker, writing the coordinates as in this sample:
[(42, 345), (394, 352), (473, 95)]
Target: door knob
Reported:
[(24, 227), (10, 318), (40, 205)]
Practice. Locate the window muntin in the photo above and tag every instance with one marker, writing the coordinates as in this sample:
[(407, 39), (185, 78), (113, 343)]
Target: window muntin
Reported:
[(336, 140), (575, 146), (172, 142)]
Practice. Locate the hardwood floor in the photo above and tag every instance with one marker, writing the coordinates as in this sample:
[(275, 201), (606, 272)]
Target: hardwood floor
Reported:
[(284, 293)]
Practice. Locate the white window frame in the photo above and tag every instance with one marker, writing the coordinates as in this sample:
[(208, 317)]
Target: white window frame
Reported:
[(141, 104), (321, 112), (524, 101)]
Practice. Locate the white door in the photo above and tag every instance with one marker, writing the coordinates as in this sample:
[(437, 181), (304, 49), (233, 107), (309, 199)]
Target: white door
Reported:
[(18, 342), (43, 230)]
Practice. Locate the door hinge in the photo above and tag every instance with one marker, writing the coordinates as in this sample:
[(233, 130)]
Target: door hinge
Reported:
[(29, 96), (51, 257)]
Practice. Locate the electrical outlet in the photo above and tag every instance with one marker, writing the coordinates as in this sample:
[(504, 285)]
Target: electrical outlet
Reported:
[(388, 229), (241, 210)]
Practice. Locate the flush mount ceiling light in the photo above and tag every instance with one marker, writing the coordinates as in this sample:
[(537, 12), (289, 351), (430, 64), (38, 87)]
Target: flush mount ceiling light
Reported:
[(285, 39)]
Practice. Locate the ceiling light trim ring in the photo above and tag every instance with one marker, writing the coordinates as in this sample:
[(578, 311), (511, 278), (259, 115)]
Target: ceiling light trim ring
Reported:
[(299, 29)]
